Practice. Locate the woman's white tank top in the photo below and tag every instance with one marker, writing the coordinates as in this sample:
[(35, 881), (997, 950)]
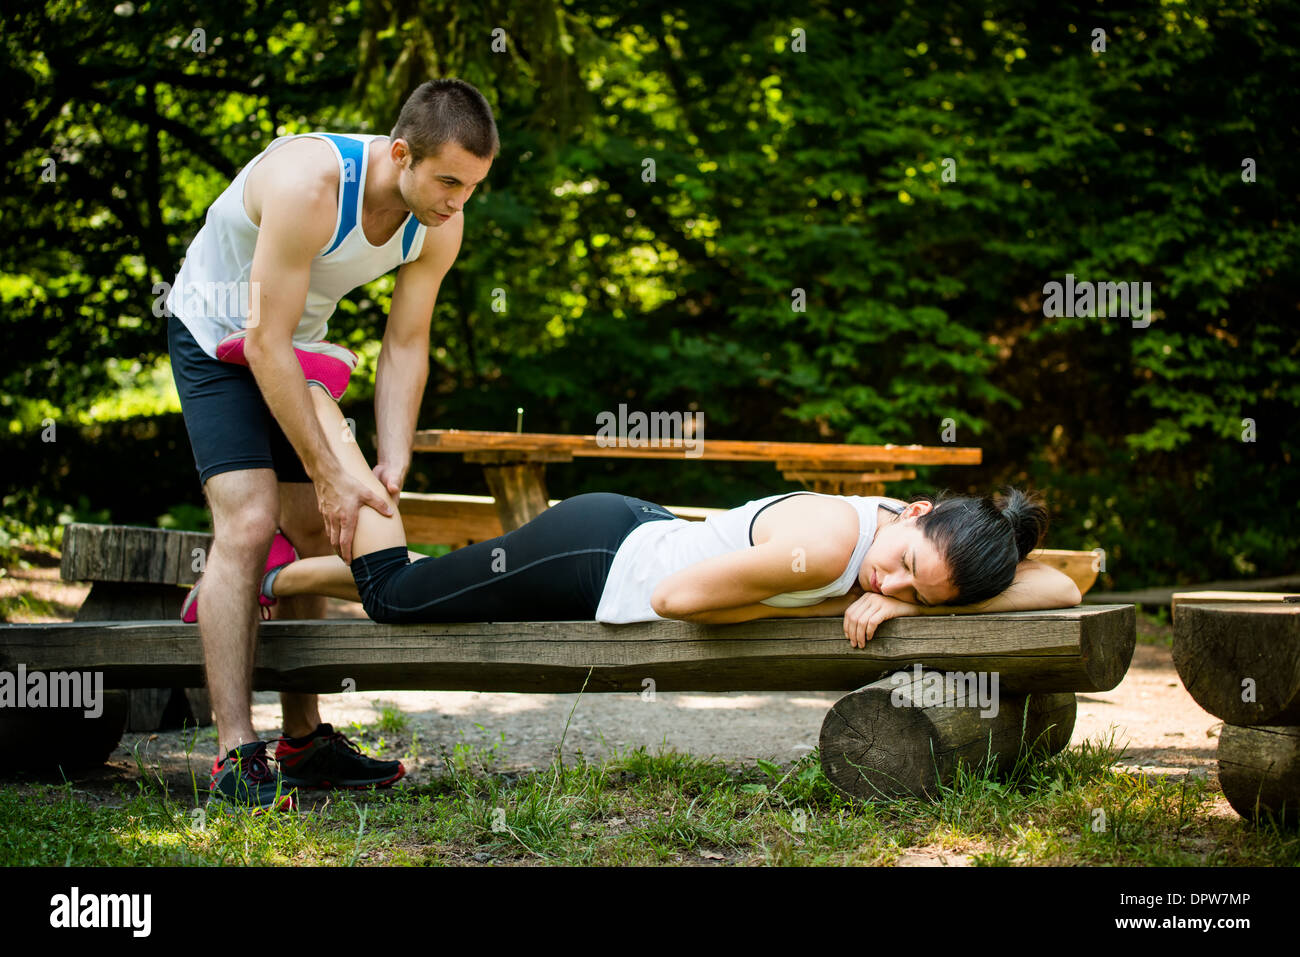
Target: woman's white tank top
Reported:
[(211, 292), (654, 550)]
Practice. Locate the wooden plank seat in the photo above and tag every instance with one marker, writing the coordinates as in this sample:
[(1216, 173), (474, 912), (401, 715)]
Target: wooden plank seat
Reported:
[(1040, 652)]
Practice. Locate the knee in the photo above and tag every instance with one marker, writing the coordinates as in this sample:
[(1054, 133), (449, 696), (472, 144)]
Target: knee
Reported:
[(247, 528), (374, 586)]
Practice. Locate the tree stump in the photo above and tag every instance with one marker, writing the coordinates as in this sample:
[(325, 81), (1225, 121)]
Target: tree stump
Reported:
[(1241, 661), (905, 735), (1259, 771)]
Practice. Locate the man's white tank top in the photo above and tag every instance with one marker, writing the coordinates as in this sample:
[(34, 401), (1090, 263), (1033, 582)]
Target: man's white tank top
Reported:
[(211, 292), (654, 550)]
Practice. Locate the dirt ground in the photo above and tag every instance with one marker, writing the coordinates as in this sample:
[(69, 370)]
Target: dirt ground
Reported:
[(1163, 731)]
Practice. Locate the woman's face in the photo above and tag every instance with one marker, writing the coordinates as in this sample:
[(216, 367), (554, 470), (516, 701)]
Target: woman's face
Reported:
[(902, 563)]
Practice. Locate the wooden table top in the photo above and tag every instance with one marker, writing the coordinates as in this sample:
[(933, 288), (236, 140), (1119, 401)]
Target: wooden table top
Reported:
[(791, 454)]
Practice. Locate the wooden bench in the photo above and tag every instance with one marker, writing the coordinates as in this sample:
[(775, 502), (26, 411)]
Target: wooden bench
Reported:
[(142, 573), (1240, 660), (1164, 595), (1041, 658)]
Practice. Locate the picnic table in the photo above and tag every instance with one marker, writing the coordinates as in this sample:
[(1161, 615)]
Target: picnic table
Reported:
[(514, 463)]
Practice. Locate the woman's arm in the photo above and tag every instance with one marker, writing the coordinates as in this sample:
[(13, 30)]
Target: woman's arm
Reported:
[(1036, 586), (828, 608), (729, 587)]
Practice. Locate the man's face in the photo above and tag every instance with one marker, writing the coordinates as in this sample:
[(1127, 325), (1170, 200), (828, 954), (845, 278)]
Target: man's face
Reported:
[(440, 185), (905, 564)]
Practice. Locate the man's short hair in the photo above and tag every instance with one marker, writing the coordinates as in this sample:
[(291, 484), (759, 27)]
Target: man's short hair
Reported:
[(447, 111)]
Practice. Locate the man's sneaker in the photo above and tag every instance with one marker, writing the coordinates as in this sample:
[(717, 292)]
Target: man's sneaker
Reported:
[(326, 759), (282, 553), (324, 363), (244, 779)]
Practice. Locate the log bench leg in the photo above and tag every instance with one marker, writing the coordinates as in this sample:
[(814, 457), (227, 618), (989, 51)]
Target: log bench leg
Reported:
[(151, 709), (1259, 771), (64, 737), (904, 735), (49, 738)]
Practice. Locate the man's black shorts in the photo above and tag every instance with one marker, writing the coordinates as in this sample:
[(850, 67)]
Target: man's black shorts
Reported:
[(228, 421)]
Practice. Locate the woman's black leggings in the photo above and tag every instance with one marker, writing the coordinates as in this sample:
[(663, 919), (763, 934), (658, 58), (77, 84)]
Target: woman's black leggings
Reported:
[(551, 569)]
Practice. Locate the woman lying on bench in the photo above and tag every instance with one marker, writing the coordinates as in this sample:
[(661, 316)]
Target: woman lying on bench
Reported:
[(614, 558)]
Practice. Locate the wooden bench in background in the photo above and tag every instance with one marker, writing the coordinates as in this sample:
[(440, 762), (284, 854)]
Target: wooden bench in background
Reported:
[(514, 463), (457, 520)]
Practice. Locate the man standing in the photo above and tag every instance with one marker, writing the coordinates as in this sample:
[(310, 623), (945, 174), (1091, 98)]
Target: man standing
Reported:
[(307, 220)]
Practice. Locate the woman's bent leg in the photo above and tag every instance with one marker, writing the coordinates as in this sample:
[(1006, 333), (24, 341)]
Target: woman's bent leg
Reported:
[(330, 575), (326, 575), (551, 569), (374, 530)]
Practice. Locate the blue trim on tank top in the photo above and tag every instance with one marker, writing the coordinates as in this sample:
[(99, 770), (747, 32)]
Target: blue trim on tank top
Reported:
[(349, 149), (408, 236)]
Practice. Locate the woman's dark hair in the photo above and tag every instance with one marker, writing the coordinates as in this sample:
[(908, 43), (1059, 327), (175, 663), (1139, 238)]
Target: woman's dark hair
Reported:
[(982, 540), (447, 111)]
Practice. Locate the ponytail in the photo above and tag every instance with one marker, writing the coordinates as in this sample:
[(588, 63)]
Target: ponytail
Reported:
[(983, 539), (1027, 517)]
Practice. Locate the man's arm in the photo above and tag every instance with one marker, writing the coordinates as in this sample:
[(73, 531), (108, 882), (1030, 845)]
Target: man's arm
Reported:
[(297, 219), (288, 239), (403, 367)]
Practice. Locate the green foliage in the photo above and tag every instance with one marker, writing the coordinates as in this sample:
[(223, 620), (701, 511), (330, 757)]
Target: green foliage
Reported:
[(190, 518)]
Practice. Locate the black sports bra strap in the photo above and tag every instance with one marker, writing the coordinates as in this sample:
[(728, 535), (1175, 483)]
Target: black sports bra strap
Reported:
[(760, 511)]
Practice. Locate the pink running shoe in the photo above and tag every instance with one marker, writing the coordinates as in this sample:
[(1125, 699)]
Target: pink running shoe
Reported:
[(282, 553), (324, 363)]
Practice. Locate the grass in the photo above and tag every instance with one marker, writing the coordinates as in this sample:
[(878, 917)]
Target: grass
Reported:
[(643, 808), (26, 607)]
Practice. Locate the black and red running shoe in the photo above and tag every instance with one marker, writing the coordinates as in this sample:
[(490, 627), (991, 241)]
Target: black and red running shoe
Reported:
[(327, 759), (244, 779)]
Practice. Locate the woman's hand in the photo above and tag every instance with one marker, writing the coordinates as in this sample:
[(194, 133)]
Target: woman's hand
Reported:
[(865, 615)]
